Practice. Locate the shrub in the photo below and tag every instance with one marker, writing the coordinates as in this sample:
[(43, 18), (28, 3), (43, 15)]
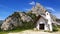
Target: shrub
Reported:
[(55, 28), (28, 25)]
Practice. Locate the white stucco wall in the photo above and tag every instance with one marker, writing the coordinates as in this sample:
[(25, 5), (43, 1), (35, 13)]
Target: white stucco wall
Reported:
[(41, 21)]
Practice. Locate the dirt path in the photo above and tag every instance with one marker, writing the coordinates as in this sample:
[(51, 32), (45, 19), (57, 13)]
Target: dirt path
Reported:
[(34, 32)]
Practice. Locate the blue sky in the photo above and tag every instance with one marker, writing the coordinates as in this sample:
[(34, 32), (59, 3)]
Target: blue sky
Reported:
[(7, 7)]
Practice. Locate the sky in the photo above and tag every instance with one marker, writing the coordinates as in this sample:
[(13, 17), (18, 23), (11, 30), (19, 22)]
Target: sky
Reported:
[(7, 7)]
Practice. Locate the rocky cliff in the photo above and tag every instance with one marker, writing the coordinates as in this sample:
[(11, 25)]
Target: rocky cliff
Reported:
[(15, 20)]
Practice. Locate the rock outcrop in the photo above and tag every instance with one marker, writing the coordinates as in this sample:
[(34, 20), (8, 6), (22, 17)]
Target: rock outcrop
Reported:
[(15, 20), (25, 18), (11, 22), (38, 9)]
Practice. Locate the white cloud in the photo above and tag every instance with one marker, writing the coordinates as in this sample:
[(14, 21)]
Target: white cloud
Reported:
[(32, 3), (27, 9), (50, 8), (1, 18), (57, 15)]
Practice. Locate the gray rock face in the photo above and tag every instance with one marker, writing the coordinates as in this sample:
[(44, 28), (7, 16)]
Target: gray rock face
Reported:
[(6, 25), (14, 20), (26, 18), (11, 22), (38, 9)]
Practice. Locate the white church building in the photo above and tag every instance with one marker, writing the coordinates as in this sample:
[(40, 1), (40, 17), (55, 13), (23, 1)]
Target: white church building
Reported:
[(44, 22)]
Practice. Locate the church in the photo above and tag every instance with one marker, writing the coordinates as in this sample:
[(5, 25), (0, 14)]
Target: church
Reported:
[(44, 22)]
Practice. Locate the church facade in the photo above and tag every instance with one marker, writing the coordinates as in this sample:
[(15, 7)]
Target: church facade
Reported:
[(44, 22)]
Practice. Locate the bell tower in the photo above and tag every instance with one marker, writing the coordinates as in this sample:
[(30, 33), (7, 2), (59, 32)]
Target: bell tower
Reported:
[(49, 21)]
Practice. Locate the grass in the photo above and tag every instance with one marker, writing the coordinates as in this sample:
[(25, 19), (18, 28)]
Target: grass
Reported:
[(14, 30), (55, 28)]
